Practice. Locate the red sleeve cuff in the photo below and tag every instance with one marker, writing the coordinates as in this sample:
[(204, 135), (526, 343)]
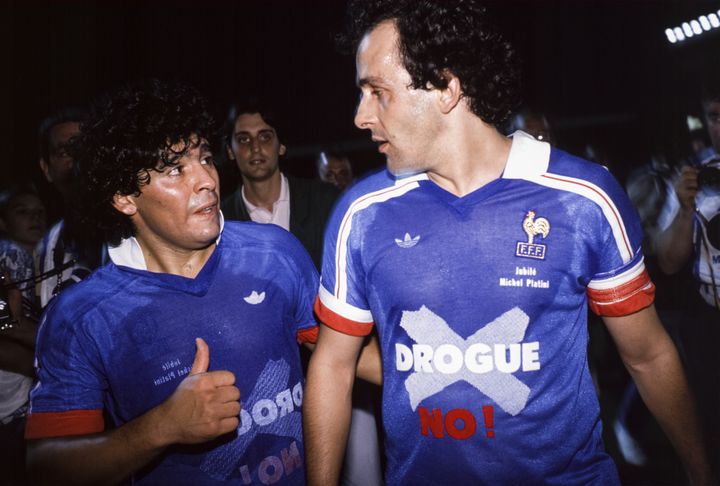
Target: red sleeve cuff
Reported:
[(340, 323), (42, 425), (308, 335), (623, 300)]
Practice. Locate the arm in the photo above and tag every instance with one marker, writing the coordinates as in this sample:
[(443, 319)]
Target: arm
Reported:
[(204, 406), (327, 404), (674, 245), (652, 360), (369, 365)]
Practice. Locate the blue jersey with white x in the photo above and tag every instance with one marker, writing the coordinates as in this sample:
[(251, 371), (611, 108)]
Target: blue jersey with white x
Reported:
[(480, 303)]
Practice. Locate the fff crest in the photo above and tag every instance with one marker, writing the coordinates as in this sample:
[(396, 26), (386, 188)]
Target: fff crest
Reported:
[(533, 227)]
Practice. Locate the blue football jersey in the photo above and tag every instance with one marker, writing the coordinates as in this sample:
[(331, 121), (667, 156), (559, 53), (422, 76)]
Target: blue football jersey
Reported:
[(123, 339), (480, 303)]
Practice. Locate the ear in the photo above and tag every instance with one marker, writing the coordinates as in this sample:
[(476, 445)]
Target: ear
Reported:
[(124, 204), (283, 150), (230, 153), (452, 94), (45, 169)]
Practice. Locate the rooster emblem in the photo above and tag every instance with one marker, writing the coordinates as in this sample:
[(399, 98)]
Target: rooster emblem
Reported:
[(532, 226)]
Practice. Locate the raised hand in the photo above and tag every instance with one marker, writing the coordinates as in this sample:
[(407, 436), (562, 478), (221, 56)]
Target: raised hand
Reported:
[(205, 404)]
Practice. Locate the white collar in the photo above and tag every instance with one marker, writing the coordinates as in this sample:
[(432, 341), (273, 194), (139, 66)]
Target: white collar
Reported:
[(284, 194), (129, 254), (528, 157)]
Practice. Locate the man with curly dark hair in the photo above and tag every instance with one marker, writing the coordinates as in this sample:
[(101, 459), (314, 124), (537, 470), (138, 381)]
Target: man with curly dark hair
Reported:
[(189, 312), (476, 257)]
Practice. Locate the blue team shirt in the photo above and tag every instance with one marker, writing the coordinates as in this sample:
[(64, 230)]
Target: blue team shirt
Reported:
[(480, 304), (123, 339)]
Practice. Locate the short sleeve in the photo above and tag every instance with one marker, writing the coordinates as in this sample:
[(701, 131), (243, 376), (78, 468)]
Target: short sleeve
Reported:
[(621, 284), (305, 287), (68, 397)]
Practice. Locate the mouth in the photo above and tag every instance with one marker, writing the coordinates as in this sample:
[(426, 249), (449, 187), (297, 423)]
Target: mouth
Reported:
[(207, 209), (255, 162), (381, 143)]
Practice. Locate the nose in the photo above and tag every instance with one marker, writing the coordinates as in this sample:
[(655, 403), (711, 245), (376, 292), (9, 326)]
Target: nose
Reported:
[(254, 144), (363, 118), (206, 178)]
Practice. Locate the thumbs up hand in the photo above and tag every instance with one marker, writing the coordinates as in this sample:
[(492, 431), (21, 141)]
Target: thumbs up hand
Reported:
[(204, 405)]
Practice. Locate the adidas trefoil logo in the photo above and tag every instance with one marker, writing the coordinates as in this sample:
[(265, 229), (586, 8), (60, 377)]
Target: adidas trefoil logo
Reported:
[(408, 241), (255, 298)]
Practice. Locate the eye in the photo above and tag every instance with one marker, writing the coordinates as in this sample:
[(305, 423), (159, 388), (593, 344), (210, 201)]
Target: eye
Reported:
[(207, 160), (265, 137), (175, 171), (243, 139)]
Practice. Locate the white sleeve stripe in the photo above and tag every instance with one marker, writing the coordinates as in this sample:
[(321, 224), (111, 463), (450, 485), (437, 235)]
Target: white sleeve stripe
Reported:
[(599, 197), (624, 297), (402, 187), (343, 309), (618, 280)]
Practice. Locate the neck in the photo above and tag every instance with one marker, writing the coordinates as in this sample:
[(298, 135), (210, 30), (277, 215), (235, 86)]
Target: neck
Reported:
[(477, 155), (161, 258), (263, 193)]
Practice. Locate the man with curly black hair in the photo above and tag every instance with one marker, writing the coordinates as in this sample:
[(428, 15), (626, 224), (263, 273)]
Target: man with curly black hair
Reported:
[(189, 312), (476, 257)]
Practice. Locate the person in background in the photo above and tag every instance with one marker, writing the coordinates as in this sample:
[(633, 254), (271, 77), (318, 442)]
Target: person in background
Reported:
[(22, 221), (690, 235), (335, 168), (69, 251), (266, 195)]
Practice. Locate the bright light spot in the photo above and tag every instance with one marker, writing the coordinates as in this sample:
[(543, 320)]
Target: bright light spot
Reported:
[(679, 34), (686, 28), (694, 123), (670, 36), (695, 25), (704, 22), (714, 21)]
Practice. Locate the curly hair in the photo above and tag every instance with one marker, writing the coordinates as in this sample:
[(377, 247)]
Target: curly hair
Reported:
[(143, 127), (441, 36)]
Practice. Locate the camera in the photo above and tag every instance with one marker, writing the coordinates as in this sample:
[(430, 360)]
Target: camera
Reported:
[(709, 177), (6, 318)]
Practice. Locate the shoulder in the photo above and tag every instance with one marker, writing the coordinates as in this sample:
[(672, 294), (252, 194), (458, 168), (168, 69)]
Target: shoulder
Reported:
[(104, 283), (243, 235), (379, 185), (313, 188)]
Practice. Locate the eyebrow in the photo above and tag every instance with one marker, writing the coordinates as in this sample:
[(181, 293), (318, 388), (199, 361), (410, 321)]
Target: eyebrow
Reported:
[(263, 130), (369, 80)]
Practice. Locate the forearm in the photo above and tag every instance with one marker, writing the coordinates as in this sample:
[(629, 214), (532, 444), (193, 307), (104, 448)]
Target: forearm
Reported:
[(326, 421), (674, 245), (369, 366), (664, 388), (106, 458)]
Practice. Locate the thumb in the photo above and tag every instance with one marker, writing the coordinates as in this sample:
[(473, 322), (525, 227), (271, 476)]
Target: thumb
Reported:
[(202, 357)]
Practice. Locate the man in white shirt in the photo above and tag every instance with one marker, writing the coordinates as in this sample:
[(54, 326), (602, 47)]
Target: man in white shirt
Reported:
[(301, 206)]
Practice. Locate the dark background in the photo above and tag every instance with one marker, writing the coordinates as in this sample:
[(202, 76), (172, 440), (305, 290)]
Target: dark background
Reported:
[(602, 71)]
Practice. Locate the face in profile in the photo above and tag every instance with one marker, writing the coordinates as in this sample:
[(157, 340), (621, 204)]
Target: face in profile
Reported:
[(403, 122), (255, 147), (712, 118), (24, 219)]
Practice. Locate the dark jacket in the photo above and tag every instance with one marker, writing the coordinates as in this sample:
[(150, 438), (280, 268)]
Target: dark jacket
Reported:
[(311, 202)]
